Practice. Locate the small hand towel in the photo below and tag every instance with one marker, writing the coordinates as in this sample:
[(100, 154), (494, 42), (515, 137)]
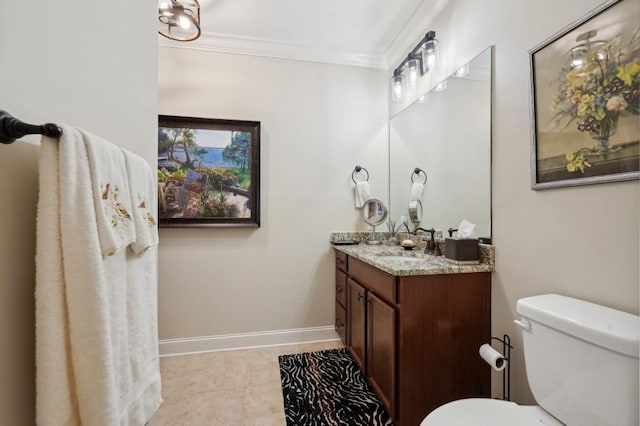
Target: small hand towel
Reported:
[(363, 193), (416, 191), (111, 194), (143, 201)]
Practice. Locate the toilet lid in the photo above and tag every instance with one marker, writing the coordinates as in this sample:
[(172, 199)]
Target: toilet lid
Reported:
[(479, 412)]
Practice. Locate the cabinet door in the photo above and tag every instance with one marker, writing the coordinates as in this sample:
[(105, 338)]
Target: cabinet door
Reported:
[(381, 350), (341, 323), (356, 321), (341, 287)]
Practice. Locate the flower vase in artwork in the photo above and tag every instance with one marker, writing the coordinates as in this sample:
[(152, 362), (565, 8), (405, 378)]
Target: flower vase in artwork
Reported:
[(602, 130)]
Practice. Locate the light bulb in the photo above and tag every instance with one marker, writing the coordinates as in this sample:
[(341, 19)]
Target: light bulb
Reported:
[(397, 86), (430, 52), (184, 22), (441, 87), (577, 62), (413, 71), (462, 71)]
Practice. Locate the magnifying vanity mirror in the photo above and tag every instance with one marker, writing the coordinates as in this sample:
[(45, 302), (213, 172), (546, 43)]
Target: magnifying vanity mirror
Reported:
[(374, 213), (448, 135)]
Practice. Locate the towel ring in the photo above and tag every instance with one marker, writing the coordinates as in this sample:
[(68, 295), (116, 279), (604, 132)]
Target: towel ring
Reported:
[(359, 169), (417, 171)]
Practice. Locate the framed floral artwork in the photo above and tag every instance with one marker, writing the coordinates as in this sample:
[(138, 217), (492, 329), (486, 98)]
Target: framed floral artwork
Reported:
[(585, 96), (208, 172)]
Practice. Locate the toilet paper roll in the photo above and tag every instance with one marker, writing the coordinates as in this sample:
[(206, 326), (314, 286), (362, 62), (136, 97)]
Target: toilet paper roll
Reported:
[(492, 357)]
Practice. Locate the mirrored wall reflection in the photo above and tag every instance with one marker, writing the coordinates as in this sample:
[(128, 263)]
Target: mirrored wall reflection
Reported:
[(447, 133)]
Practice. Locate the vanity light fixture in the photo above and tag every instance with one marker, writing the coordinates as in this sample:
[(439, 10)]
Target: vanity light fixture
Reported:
[(398, 86), (423, 58), (179, 19), (585, 48)]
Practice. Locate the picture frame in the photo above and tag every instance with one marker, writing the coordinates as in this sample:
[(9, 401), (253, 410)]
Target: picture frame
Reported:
[(208, 172), (585, 99)]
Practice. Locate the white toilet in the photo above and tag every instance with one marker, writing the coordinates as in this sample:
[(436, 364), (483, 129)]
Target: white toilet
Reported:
[(582, 364)]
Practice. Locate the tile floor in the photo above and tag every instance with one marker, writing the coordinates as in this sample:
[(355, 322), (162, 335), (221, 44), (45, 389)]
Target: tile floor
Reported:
[(230, 388)]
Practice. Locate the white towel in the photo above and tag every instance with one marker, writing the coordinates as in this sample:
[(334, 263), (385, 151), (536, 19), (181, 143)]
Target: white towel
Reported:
[(363, 193), (111, 194), (89, 364), (416, 191), (56, 400), (143, 193)]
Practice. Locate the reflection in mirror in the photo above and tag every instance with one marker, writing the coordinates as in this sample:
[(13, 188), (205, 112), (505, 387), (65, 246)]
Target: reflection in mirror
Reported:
[(374, 213), (447, 134), (415, 212)]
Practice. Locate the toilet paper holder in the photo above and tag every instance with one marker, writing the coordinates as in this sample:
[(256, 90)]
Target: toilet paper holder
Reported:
[(506, 373)]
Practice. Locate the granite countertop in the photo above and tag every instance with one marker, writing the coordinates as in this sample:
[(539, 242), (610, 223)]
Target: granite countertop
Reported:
[(400, 262)]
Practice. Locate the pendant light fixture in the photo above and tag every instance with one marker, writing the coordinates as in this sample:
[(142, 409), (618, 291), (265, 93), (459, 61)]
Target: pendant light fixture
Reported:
[(587, 48), (179, 19), (424, 57)]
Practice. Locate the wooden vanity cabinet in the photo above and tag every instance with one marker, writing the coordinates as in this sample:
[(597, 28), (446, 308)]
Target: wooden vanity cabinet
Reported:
[(416, 338)]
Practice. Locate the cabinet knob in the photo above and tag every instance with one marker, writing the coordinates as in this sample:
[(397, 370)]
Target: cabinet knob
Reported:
[(361, 298), (339, 288)]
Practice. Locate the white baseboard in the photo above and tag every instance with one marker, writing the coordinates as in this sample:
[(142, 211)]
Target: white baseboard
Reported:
[(227, 342)]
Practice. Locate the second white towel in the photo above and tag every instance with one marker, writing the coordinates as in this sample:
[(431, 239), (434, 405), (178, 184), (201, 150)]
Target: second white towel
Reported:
[(416, 191), (142, 191), (363, 193), (111, 193)]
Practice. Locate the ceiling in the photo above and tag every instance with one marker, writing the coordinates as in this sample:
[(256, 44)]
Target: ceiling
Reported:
[(355, 32)]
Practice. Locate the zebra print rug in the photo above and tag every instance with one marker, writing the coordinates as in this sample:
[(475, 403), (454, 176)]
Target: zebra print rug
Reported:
[(327, 388)]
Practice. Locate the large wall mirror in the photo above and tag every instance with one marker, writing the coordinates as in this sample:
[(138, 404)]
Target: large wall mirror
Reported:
[(446, 133)]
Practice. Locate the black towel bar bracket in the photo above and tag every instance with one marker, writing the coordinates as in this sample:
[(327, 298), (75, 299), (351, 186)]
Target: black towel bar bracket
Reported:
[(11, 129)]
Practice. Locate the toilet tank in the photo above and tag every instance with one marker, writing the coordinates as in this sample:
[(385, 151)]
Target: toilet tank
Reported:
[(581, 360)]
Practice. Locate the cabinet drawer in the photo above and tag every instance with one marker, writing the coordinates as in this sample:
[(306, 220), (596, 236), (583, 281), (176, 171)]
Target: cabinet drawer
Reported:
[(341, 287), (341, 322), (341, 261), (381, 283)]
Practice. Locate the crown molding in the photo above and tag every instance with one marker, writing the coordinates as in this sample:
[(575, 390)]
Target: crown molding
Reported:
[(415, 29), (275, 49)]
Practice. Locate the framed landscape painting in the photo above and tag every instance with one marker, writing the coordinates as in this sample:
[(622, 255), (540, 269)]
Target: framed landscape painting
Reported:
[(208, 172), (585, 94)]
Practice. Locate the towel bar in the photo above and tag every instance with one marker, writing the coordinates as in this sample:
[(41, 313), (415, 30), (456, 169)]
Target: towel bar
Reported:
[(11, 129), (417, 171), (358, 169)]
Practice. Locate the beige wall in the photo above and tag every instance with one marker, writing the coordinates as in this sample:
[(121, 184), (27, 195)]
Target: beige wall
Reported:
[(581, 242), (61, 62), (318, 121)]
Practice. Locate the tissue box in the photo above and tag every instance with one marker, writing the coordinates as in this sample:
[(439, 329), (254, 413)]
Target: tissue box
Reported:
[(462, 250)]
